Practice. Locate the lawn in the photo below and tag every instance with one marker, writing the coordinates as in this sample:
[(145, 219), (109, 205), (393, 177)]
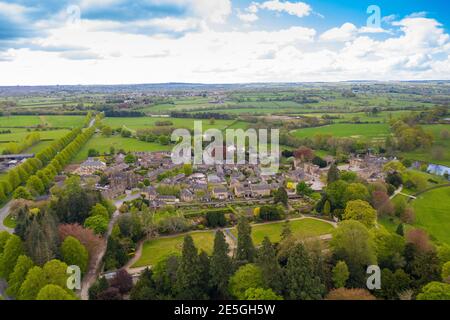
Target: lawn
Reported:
[(432, 210), (373, 131), (9, 222), (155, 250), (103, 144), (305, 228), (149, 122)]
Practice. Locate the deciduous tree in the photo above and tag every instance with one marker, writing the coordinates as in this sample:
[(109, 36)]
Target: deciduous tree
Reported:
[(74, 253), (361, 211), (54, 292), (352, 243), (246, 277), (11, 252), (340, 274), (17, 277), (435, 291)]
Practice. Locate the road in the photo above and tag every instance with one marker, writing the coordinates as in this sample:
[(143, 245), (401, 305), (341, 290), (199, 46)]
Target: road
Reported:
[(92, 274), (5, 210), (91, 123), (3, 214), (3, 286)]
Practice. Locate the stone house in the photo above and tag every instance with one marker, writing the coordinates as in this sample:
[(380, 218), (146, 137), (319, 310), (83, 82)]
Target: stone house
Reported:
[(260, 190), (186, 195), (220, 193)]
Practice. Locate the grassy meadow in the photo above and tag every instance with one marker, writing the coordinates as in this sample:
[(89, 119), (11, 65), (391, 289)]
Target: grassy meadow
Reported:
[(149, 122), (373, 131), (103, 144)]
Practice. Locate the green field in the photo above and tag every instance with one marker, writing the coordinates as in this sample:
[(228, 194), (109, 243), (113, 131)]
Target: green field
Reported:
[(155, 250), (426, 155), (149, 122), (19, 121), (432, 210), (63, 121), (373, 131), (18, 134), (58, 121), (307, 228), (103, 145)]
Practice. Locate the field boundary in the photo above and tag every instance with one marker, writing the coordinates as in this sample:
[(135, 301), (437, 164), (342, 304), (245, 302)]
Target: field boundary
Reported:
[(428, 189)]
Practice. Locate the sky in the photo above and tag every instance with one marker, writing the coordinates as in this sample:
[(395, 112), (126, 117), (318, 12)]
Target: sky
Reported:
[(50, 42)]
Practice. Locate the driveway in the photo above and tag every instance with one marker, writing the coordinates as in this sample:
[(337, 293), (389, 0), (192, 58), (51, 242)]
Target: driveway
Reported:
[(92, 274)]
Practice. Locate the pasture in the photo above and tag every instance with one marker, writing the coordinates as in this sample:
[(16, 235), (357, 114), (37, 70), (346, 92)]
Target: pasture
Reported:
[(373, 131), (429, 156), (19, 121), (18, 134), (55, 121), (155, 250), (103, 144), (63, 121), (149, 122)]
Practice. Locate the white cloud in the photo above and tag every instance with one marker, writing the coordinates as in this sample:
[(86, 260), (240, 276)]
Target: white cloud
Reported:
[(13, 11), (169, 24), (372, 30), (419, 50), (214, 11), (299, 9), (388, 19), (343, 33), (88, 4), (348, 31), (253, 7), (247, 17)]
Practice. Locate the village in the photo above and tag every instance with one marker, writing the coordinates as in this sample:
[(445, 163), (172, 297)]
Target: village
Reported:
[(213, 185)]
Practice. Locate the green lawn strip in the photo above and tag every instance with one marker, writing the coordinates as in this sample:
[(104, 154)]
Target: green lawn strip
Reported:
[(155, 250), (9, 222), (39, 146)]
